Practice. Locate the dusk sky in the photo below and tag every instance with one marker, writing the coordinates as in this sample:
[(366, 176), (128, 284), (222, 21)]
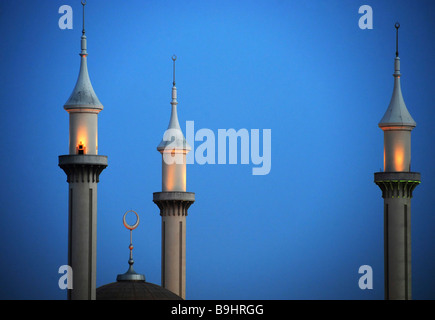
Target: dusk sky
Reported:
[(303, 69)]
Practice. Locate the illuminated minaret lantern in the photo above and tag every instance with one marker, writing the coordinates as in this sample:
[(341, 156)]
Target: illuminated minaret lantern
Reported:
[(397, 183), (83, 166), (174, 201)]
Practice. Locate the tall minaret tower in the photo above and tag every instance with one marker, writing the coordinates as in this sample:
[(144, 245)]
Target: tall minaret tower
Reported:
[(173, 202), (397, 183), (83, 167)]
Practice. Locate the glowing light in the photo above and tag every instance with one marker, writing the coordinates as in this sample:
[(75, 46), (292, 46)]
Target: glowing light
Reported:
[(81, 149), (174, 174), (170, 177), (399, 158), (82, 138)]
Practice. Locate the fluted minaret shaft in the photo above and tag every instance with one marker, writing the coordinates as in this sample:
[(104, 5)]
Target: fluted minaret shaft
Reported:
[(173, 210)]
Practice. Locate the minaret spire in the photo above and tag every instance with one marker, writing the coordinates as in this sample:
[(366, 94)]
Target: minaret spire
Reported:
[(173, 137), (83, 95), (397, 113)]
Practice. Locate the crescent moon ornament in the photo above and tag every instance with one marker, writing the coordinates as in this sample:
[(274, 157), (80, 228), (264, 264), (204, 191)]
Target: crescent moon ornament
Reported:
[(131, 227)]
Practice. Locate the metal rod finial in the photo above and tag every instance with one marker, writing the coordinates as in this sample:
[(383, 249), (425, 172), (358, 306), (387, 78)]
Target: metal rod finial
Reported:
[(130, 274), (83, 4), (174, 57), (397, 26), (131, 228)]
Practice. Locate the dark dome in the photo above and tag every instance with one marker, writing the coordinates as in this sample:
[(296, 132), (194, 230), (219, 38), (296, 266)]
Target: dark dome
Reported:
[(134, 290)]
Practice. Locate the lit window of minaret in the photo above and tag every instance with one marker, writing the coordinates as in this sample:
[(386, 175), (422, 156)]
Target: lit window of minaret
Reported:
[(397, 183), (83, 167), (174, 201)]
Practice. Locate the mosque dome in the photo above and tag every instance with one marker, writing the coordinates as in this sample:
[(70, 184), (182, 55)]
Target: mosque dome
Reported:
[(134, 290)]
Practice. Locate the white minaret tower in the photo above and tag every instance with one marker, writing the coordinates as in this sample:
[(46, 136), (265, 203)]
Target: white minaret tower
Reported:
[(173, 202), (397, 183), (83, 167)]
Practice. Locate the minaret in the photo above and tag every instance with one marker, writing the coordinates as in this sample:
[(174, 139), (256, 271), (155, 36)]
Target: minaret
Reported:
[(397, 183), (83, 166), (174, 201)]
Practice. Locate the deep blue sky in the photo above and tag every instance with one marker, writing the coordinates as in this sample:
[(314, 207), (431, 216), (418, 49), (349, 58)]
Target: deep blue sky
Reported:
[(303, 69)]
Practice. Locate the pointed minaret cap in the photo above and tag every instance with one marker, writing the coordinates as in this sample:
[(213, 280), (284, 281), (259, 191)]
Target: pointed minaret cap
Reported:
[(173, 138), (83, 95), (397, 114)]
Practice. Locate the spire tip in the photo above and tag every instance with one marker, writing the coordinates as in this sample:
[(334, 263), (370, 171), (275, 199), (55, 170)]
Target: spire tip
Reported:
[(174, 57), (83, 4), (397, 26)]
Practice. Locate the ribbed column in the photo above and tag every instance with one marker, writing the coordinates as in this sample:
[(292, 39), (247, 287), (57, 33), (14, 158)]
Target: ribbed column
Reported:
[(82, 175), (173, 210), (397, 188)]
